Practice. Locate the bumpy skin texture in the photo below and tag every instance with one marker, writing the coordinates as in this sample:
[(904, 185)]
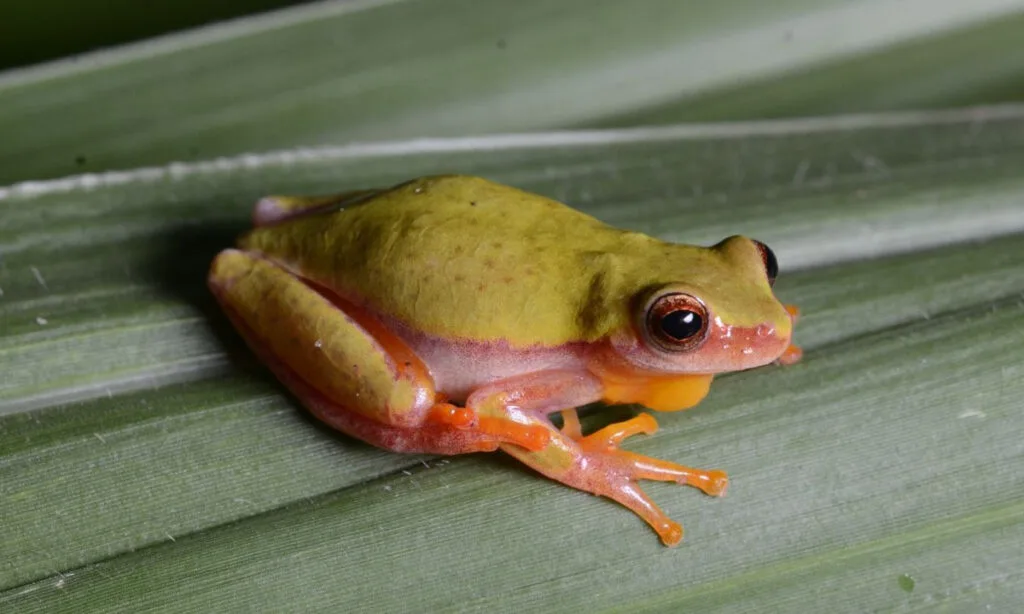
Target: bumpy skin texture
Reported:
[(452, 315)]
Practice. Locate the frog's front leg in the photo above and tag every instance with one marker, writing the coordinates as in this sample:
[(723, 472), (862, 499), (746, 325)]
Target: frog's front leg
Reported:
[(793, 353), (347, 368), (593, 463)]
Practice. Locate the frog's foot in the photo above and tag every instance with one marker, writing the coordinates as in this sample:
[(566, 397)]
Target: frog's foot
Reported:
[(602, 468), (793, 353), (607, 470), (790, 356)]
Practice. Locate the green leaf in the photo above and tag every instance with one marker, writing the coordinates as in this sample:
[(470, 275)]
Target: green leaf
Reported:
[(334, 72), (147, 462)]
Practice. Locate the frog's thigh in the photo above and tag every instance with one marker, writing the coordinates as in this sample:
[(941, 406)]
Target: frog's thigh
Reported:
[(312, 345), (272, 209)]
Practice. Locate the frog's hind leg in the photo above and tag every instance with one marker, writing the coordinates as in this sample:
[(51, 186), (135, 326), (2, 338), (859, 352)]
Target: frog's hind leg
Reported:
[(346, 367), (433, 436), (273, 209), (594, 463)]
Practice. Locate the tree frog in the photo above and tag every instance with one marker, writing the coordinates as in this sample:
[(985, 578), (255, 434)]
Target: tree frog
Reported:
[(451, 314)]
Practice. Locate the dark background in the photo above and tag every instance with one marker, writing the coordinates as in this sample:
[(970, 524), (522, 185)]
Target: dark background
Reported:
[(33, 31)]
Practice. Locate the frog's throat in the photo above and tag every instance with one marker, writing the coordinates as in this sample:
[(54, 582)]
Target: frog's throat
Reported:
[(661, 392)]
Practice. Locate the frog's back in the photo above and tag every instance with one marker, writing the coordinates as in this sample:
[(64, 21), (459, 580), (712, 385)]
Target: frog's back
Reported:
[(463, 257)]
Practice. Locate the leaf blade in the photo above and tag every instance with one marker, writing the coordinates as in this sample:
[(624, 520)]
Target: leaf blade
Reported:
[(354, 514), (336, 72)]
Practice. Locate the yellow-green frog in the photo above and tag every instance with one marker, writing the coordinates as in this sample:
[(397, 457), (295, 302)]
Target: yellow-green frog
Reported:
[(452, 314)]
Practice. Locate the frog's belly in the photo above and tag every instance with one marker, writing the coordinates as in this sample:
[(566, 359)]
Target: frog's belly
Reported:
[(460, 367)]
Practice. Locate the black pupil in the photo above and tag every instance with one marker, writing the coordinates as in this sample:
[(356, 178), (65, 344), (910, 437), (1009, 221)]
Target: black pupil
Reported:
[(682, 324)]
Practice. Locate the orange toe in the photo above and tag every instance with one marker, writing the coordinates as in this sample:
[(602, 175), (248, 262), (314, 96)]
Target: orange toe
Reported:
[(571, 427), (790, 356), (533, 437), (451, 415)]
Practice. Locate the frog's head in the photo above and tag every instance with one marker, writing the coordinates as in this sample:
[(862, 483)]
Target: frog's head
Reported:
[(719, 315)]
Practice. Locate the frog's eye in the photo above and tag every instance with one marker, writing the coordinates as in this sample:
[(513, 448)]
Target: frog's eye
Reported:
[(771, 265), (677, 322)]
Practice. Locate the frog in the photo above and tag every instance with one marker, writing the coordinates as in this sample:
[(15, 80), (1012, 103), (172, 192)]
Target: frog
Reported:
[(451, 314)]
